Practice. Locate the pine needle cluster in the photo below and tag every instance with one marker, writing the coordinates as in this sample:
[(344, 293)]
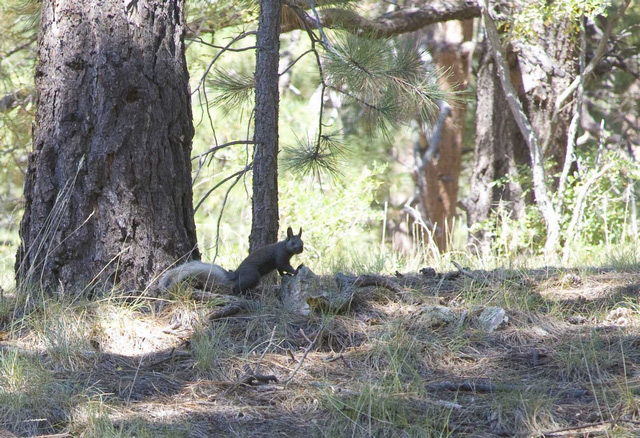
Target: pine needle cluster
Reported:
[(386, 77), (316, 156), (233, 89)]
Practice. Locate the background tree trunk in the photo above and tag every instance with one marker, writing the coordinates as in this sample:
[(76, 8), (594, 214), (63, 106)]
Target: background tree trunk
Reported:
[(264, 224), (548, 65), (438, 187), (108, 190), (499, 150)]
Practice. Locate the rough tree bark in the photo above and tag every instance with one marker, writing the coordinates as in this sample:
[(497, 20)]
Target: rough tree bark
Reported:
[(548, 66), (540, 189), (108, 189), (264, 224), (499, 150)]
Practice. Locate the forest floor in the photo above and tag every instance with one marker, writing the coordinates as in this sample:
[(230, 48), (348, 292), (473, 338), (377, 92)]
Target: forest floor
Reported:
[(564, 361)]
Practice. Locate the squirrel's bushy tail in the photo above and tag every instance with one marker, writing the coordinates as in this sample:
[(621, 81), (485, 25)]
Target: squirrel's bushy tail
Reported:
[(205, 273)]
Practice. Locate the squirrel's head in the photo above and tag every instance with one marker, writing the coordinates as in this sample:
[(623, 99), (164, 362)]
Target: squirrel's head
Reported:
[(294, 242)]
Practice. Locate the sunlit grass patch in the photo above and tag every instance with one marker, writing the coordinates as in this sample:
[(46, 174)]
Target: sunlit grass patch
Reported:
[(63, 332), (377, 409), (95, 419), (32, 398), (212, 348)]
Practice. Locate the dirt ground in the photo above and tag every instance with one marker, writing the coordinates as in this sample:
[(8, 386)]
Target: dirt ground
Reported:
[(563, 360)]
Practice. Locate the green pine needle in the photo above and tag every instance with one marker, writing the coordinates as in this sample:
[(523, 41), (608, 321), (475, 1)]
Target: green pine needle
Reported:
[(387, 78), (232, 89), (315, 157)]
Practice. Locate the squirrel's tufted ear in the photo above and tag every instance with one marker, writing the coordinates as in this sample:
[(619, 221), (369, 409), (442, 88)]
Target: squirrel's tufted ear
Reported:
[(289, 233), (300, 232)]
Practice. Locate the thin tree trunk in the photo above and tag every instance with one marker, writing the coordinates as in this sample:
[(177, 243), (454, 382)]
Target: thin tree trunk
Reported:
[(264, 226), (108, 189)]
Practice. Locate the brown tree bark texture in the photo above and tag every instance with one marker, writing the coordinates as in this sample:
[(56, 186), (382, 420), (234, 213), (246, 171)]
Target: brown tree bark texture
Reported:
[(439, 198), (108, 190), (264, 225)]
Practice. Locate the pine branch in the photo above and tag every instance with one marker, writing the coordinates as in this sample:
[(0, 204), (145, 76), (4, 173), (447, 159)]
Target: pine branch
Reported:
[(395, 23)]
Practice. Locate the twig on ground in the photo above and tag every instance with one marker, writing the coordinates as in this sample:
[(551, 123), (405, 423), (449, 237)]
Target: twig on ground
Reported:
[(463, 271), (252, 377), (304, 356), (171, 329), (226, 311), (571, 429), (333, 358), (346, 282), (273, 332), (469, 385)]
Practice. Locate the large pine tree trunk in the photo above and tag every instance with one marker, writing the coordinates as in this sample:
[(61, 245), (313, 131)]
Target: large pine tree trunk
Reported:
[(264, 225), (108, 190), (499, 150)]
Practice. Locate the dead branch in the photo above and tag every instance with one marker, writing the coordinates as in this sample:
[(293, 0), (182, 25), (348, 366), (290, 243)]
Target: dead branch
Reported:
[(471, 386), (236, 175), (304, 355), (227, 311), (570, 429), (253, 378), (221, 146), (463, 271), (395, 23), (346, 283)]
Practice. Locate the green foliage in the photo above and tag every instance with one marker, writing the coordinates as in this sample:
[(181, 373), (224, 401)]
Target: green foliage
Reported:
[(316, 157), (386, 78), (336, 219), (17, 63), (542, 13), (212, 15), (606, 217), (233, 89), (27, 391)]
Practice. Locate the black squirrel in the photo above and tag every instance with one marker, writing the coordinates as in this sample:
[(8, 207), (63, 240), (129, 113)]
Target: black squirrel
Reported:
[(257, 264)]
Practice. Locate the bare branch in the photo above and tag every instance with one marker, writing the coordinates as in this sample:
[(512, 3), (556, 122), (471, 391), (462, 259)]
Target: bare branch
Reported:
[(599, 53), (215, 58), (238, 174), (395, 23), (221, 146)]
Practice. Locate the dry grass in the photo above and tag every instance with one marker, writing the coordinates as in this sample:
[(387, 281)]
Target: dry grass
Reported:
[(567, 363)]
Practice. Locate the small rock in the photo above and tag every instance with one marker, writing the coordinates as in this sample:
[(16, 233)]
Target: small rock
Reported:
[(492, 317), (298, 290), (577, 319), (429, 272), (620, 316), (435, 316)]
